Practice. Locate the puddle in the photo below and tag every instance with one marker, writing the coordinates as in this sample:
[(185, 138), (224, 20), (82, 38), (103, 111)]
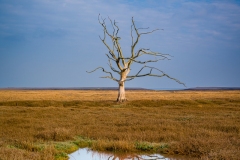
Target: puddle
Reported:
[(87, 154)]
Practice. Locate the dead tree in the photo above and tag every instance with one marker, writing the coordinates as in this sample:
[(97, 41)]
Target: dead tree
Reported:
[(123, 64)]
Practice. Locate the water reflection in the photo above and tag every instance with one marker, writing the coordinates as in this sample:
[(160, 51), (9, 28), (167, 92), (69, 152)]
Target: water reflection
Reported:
[(87, 154)]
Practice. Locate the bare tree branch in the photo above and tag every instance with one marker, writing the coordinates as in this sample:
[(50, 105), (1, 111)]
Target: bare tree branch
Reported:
[(112, 68), (136, 41), (149, 52), (104, 26), (112, 26), (111, 76), (110, 57), (115, 40), (148, 61), (149, 32), (133, 55), (154, 75)]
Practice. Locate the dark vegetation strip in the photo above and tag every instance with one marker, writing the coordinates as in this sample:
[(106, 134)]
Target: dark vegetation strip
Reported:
[(136, 103)]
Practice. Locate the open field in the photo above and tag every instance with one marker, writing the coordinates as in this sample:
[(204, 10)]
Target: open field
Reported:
[(47, 124)]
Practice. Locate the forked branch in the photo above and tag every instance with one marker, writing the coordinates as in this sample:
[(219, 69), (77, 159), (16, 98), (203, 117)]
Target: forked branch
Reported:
[(162, 74), (134, 43), (151, 53), (110, 77), (144, 62), (115, 41)]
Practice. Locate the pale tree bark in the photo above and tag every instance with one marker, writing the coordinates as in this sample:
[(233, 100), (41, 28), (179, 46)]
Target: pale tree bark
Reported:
[(121, 83), (122, 63), (121, 92)]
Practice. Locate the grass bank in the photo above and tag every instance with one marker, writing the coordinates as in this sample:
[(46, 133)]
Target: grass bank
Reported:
[(50, 124)]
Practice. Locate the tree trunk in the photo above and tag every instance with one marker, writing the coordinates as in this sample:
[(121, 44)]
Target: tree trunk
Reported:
[(121, 92)]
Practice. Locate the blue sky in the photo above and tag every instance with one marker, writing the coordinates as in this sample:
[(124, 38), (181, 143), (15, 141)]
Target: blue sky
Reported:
[(52, 43)]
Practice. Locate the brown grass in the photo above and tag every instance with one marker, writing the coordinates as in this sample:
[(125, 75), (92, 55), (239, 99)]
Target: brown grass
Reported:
[(40, 124)]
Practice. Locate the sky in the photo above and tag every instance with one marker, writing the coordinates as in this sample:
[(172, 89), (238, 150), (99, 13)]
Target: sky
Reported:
[(52, 43)]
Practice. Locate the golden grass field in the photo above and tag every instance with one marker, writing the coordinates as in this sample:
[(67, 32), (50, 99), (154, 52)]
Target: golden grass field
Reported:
[(49, 124)]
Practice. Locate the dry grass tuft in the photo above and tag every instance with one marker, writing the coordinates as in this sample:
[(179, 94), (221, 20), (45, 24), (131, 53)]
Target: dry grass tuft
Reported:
[(56, 134)]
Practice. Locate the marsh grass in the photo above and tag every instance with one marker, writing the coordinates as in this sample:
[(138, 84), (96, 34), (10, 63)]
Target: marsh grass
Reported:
[(51, 124)]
